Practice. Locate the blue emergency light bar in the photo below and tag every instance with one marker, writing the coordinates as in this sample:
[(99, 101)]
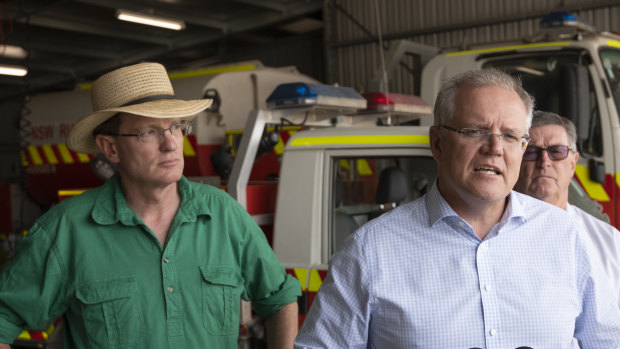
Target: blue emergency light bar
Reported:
[(558, 19), (301, 94), (562, 19)]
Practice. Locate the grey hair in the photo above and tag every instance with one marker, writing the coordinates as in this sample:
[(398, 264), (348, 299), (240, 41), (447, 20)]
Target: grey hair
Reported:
[(444, 105), (544, 118)]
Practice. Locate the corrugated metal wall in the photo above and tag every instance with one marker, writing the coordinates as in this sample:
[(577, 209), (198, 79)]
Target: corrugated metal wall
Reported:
[(305, 53), (351, 39)]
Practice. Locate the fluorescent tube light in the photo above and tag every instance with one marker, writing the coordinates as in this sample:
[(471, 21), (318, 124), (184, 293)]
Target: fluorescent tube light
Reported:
[(13, 51), (13, 70), (147, 19)]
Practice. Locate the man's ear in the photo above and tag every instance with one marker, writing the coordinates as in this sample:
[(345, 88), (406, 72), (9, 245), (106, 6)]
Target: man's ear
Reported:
[(573, 163), (434, 136), (107, 145)]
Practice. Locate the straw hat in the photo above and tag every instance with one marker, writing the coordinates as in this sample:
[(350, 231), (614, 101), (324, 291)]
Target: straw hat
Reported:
[(140, 89)]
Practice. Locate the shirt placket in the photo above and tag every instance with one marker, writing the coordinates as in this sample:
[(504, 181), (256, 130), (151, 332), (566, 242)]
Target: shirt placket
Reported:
[(174, 307), (488, 295)]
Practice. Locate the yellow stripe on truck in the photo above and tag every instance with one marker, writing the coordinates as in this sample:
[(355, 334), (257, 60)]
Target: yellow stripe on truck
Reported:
[(34, 155), (613, 43), (370, 139), (279, 148), (70, 192), (55, 154), (595, 190), (65, 154), (83, 157), (211, 71), (188, 150), (194, 73), (49, 154), (315, 279), (508, 48)]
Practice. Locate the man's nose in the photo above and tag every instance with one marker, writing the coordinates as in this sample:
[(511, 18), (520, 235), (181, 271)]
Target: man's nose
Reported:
[(495, 143), (167, 140), (543, 158)]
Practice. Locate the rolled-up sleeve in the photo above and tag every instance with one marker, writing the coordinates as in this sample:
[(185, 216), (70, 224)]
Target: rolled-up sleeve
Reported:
[(31, 286), (267, 284)]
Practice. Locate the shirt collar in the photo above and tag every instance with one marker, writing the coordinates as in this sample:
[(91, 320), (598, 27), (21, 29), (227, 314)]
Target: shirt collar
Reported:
[(438, 207), (194, 201), (516, 206), (110, 206)]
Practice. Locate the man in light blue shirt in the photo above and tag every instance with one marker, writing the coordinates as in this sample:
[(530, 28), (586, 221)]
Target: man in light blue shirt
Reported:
[(548, 166), (472, 264)]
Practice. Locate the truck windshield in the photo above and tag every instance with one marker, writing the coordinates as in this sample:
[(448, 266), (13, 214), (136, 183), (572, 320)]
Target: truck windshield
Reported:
[(548, 77), (611, 65), (366, 187)]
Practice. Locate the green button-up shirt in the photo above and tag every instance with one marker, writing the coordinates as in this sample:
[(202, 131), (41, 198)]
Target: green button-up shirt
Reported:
[(92, 259)]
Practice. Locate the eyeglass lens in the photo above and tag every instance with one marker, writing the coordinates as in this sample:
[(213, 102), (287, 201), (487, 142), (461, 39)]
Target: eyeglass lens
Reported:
[(479, 135), (176, 130), (554, 152)]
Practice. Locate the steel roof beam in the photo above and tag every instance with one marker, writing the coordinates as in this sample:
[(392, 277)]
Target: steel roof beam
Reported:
[(170, 12), (101, 30)]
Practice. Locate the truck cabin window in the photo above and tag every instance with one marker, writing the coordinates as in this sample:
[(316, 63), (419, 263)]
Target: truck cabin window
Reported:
[(547, 77), (365, 188), (611, 65)]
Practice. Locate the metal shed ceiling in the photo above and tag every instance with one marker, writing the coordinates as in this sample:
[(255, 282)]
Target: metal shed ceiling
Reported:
[(70, 41)]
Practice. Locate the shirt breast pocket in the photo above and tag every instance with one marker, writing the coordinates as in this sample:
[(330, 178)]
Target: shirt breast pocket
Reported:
[(221, 298), (111, 312)]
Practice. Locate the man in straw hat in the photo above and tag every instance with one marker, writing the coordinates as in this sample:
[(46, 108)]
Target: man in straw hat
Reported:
[(149, 259)]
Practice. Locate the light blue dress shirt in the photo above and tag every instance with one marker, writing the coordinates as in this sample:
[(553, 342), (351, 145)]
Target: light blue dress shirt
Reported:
[(418, 277)]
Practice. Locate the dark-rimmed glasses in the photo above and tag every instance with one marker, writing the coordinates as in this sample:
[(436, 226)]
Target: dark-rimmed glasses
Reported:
[(554, 152), (479, 135), (147, 135)]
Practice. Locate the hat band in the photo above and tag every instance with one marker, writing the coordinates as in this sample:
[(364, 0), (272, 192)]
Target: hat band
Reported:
[(147, 99)]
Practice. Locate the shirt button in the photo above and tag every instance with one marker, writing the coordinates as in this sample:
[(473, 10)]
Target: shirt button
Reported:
[(493, 332), (487, 287), (170, 289), (166, 260)]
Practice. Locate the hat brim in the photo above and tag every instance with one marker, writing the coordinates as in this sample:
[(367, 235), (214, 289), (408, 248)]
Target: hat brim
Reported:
[(81, 140)]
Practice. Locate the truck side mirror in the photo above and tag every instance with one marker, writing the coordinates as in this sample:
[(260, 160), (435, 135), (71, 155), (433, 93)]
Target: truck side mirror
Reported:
[(597, 171), (575, 97)]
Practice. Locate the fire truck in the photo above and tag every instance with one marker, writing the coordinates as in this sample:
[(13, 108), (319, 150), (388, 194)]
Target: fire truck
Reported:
[(337, 173), (334, 179), (571, 70)]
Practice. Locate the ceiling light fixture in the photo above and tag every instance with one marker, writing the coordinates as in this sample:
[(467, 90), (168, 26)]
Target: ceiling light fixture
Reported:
[(13, 70), (11, 51), (147, 19)]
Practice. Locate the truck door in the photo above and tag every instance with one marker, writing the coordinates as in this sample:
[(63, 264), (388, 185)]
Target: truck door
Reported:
[(610, 61)]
